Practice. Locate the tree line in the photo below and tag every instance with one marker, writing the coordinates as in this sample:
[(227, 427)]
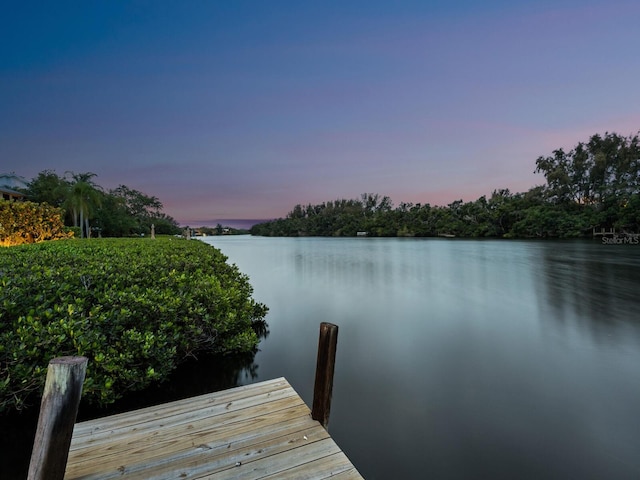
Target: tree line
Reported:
[(94, 211), (594, 185)]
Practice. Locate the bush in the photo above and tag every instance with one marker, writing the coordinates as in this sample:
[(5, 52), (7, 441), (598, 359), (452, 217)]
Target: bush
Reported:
[(135, 307), (28, 222)]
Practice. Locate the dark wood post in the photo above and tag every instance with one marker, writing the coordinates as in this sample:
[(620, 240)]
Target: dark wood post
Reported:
[(323, 387), (58, 410)]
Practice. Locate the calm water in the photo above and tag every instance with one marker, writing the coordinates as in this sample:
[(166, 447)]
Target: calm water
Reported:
[(461, 359)]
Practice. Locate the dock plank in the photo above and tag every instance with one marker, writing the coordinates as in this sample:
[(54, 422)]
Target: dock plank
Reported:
[(280, 461), (111, 441), (180, 408), (256, 431), (144, 451), (327, 467)]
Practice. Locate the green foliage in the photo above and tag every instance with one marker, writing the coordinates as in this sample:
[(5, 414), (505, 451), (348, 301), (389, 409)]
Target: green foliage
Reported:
[(28, 222), (83, 198), (130, 212), (95, 212), (49, 188), (597, 184), (135, 307), (600, 172)]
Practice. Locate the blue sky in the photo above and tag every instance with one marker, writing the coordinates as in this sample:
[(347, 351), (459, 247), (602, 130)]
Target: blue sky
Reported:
[(240, 110)]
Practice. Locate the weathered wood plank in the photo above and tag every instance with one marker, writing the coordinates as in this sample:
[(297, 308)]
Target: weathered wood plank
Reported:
[(147, 448), (219, 415), (202, 460), (326, 467), (351, 474), (281, 461), (257, 431), (112, 423)]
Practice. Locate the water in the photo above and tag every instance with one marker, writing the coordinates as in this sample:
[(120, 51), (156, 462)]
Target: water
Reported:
[(461, 359)]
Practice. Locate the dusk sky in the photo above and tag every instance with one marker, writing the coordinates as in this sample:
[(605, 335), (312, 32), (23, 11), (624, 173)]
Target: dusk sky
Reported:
[(242, 109)]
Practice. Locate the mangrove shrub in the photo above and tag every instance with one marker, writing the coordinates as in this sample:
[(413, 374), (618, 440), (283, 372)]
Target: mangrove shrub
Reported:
[(135, 307)]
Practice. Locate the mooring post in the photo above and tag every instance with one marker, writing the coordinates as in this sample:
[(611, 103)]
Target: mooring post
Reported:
[(325, 366), (58, 411)]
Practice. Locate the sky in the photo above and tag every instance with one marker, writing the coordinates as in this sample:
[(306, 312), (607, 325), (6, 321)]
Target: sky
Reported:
[(239, 110)]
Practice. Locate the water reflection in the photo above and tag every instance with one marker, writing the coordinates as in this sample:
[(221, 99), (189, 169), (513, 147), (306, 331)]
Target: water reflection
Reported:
[(591, 286), (461, 359)]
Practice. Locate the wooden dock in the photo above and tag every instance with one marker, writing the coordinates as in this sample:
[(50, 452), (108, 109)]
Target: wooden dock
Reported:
[(604, 233), (258, 431)]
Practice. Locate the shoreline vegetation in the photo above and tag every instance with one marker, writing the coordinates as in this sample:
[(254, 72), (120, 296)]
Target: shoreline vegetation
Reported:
[(92, 211), (596, 185), (137, 308)]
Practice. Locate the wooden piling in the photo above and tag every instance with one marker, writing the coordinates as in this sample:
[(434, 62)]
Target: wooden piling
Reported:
[(58, 410), (325, 366)]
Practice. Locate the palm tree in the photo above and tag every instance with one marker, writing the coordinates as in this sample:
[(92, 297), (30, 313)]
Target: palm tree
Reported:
[(84, 197)]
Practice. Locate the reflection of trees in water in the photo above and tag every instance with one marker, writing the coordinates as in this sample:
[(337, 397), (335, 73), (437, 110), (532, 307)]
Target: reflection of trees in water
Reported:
[(343, 267), (196, 376), (367, 263), (591, 283)]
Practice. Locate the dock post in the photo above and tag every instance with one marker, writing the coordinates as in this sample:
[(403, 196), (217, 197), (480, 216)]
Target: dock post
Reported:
[(325, 366), (58, 410)]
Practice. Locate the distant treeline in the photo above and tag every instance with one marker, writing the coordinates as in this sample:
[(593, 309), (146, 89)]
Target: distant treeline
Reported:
[(595, 185), (219, 229)]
